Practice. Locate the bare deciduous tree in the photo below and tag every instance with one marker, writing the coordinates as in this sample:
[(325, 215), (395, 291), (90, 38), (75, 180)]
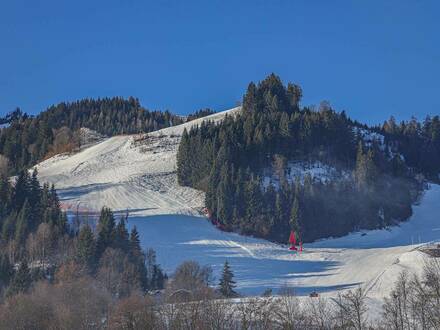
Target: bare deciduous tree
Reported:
[(352, 309), (289, 314), (135, 312), (190, 282)]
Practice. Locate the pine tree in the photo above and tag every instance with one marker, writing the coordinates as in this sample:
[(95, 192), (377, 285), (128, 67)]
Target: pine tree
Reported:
[(86, 248), (155, 276), (121, 236), (21, 281), (5, 197), (23, 219), (35, 200), (21, 190), (106, 226), (135, 244), (182, 160), (227, 283), (365, 168), (137, 257), (360, 173), (294, 94), (53, 198), (253, 198), (225, 196), (250, 102), (295, 215), (8, 227), (6, 270)]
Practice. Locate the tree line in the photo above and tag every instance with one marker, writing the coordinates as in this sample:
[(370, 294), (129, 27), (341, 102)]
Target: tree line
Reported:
[(200, 114), (39, 243), (25, 139), (228, 161), (418, 142)]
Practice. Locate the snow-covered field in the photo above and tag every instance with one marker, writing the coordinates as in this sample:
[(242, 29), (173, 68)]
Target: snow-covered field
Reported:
[(137, 173)]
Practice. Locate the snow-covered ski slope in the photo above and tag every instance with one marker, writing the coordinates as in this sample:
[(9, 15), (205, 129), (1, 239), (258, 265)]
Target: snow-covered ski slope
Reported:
[(130, 172), (137, 173), (372, 261)]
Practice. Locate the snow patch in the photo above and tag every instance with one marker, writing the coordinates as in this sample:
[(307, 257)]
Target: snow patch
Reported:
[(300, 169)]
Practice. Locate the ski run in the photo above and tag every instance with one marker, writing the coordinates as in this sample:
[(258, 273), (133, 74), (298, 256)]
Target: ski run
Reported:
[(137, 173)]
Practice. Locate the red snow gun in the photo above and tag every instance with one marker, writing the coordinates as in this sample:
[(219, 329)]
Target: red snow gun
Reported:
[(292, 241)]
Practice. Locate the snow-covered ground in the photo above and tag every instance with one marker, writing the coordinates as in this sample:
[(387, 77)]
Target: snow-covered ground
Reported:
[(137, 173), (372, 260), (317, 170)]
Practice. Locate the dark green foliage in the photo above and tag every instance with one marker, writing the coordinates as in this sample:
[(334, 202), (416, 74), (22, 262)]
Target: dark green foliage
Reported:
[(86, 248), (419, 143), (5, 197), (121, 240), (200, 114), (23, 223), (119, 254), (6, 270), (106, 232), (227, 283), (229, 159), (25, 205), (21, 281), (295, 216), (155, 276), (183, 160), (135, 244), (29, 139), (21, 189), (150, 273), (366, 171)]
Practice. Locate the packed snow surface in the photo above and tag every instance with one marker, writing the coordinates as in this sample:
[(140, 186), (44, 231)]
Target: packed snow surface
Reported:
[(129, 172), (372, 259), (137, 173)]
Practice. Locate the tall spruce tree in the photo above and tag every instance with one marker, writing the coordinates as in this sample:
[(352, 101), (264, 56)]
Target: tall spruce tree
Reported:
[(121, 240), (137, 257), (6, 271), (5, 197), (35, 200), (183, 159), (21, 189), (295, 215), (106, 234), (23, 222), (135, 244), (227, 283), (86, 248)]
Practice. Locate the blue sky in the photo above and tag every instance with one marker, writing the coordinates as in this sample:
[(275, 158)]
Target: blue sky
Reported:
[(371, 58)]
